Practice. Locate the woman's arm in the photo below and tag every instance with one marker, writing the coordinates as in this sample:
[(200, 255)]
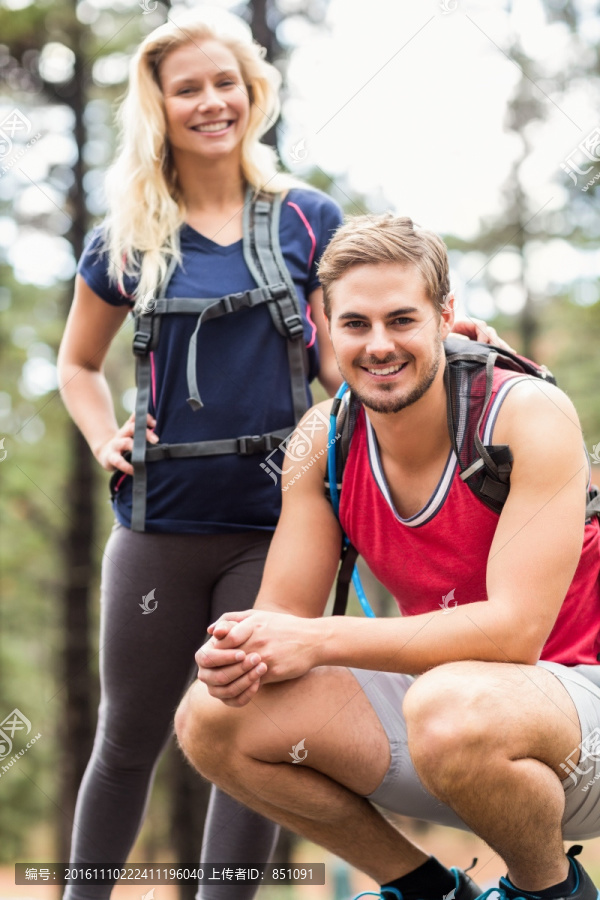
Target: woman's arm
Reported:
[(90, 329)]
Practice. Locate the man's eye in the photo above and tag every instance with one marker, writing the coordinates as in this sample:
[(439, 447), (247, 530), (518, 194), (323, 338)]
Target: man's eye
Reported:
[(403, 320), (355, 324)]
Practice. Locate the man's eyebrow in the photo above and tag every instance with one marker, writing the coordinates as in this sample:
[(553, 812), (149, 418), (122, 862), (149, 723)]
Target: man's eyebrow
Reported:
[(402, 311)]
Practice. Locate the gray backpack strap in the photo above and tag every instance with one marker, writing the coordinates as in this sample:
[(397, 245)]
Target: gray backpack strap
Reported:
[(247, 445), (144, 340), (213, 308), (275, 287), (593, 503), (263, 256)]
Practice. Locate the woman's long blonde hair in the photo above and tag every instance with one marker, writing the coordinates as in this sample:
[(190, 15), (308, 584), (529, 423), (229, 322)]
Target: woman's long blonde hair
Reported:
[(145, 207)]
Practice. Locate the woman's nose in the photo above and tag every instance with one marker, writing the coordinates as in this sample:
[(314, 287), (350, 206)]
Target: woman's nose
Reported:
[(210, 99)]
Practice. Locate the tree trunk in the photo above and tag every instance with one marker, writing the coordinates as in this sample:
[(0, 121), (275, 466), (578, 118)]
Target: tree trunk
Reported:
[(78, 541), (77, 734), (262, 11)]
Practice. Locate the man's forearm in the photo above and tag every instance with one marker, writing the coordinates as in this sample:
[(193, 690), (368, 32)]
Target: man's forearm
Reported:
[(270, 603), (413, 644)]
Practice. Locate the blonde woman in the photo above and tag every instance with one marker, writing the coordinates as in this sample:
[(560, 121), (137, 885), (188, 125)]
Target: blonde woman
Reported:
[(217, 253), (193, 525)]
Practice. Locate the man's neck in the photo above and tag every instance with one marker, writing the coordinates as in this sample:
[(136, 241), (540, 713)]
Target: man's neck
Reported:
[(418, 434)]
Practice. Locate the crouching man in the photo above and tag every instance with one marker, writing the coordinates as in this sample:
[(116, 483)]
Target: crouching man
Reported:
[(498, 732)]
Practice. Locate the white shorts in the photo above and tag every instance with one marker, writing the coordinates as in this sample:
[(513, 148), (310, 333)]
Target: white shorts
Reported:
[(401, 790)]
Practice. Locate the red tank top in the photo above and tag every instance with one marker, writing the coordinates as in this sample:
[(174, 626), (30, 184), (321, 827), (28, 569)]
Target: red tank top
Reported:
[(444, 547)]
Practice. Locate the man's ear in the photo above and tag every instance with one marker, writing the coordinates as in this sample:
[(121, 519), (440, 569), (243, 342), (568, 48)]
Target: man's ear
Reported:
[(447, 315)]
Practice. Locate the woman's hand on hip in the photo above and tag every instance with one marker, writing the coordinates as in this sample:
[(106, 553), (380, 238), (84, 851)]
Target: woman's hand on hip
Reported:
[(110, 454)]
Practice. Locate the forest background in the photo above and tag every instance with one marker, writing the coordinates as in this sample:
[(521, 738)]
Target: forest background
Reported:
[(480, 120)]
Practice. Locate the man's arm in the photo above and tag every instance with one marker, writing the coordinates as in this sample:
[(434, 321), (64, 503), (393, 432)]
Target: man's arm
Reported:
[(299, 571), (531, 563)]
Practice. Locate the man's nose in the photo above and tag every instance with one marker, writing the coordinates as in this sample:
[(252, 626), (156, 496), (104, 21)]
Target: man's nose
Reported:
[(380, 342)]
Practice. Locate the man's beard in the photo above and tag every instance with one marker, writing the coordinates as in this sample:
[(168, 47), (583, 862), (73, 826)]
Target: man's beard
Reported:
[(396, 404)]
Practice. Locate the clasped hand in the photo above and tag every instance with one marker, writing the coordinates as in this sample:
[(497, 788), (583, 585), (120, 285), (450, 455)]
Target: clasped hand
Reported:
[(254, 647)]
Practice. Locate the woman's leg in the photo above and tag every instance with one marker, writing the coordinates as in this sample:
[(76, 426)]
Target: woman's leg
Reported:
[(145, 664), (235, 835)]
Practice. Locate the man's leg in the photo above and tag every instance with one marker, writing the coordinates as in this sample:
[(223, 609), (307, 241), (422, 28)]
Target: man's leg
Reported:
[(488, 740), (322, 798)]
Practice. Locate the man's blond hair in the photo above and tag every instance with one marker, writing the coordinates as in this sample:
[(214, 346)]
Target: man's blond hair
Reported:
[(367, 240)]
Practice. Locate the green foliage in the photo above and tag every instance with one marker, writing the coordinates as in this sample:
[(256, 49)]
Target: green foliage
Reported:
[(33, 478)]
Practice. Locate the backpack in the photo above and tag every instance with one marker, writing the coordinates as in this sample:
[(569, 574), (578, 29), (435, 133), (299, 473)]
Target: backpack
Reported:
[(263, 256), (485, 469)]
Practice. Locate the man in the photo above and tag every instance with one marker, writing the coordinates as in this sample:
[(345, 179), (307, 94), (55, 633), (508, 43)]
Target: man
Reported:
[(486, 738)]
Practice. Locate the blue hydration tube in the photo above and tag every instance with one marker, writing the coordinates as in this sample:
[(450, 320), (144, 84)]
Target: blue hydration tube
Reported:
[(335, 497)]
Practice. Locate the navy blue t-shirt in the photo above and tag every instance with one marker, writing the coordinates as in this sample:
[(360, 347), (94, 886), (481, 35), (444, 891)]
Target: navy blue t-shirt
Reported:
[(242, 370)]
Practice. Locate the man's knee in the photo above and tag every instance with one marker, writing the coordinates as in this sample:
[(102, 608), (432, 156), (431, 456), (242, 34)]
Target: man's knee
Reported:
[(447, 712), (205, 728)]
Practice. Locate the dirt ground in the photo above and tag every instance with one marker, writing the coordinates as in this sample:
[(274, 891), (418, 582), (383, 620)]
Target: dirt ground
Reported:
[(452, 847)]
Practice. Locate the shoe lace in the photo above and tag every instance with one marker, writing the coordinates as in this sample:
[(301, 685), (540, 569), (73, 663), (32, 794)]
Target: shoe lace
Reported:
[(381, 894), (398, 894), (502, 895)]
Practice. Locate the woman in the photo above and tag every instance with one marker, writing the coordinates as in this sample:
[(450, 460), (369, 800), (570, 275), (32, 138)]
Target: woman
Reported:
[(197, 213), (199, 98)]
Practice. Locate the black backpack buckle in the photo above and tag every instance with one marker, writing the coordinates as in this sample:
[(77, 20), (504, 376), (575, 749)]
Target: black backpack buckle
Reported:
[(250, 444), (278, 291), (141, 343), (293, 325)]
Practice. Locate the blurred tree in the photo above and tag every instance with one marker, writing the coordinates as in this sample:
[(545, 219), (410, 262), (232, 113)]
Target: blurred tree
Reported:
[(523, 226), (71, 540), (78, 538)]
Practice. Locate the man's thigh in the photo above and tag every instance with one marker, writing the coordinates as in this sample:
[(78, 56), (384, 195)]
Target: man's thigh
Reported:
[(539, 711), (400, 790), (349, 725), (329, 715)]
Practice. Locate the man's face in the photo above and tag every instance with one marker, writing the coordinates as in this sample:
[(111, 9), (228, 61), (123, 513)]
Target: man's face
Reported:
[(386, 334)]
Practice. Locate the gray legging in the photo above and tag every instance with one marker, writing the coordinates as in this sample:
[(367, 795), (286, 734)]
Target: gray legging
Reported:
[(146, 663)]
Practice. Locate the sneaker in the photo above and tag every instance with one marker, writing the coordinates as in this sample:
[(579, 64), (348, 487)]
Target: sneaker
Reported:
[(584, 888), (464, 888)]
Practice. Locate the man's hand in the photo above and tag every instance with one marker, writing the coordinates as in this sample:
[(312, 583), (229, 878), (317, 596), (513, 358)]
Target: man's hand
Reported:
[(230, 674), (255, 646)]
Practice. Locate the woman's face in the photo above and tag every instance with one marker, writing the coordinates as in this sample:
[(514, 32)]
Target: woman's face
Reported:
[(206, 101)]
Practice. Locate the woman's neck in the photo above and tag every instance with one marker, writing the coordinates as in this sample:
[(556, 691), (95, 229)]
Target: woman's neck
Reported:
[(209, 185)]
